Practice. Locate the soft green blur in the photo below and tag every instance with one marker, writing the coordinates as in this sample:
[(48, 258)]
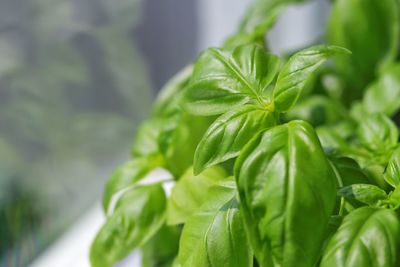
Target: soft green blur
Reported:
[(72, 87)]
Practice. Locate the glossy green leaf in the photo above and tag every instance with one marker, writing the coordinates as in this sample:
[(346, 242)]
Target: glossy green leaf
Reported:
[(348, 171), (368, 237), (127, 176), (229, 134), (189, 193), (368, 28), (161, 250), (215, 235), (295, 73), (287, 193), (138, 215), (383, 96), (378, 133), (365, 193), (392, 173), (227, 78)]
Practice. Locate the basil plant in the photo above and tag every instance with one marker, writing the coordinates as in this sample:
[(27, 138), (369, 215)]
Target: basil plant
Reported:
[(277, 161)]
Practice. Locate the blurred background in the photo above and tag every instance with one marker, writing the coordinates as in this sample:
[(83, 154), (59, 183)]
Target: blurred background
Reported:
[(76, 78)]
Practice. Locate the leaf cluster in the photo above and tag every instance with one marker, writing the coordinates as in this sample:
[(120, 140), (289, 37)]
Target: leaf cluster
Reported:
[(276, 161)]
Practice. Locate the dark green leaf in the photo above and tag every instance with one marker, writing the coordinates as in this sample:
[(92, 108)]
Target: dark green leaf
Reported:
[(348, 171), (392, 173), (365, 193), (295, 73), (368, 237), (287, 193), (368, 28), (378, 133), (138, 215), (227, 78), (229, 133), (215, 235), (127, 176), (189, 193)]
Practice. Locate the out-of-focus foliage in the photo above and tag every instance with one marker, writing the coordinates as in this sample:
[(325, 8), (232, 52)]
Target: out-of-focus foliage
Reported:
[(71, 80)]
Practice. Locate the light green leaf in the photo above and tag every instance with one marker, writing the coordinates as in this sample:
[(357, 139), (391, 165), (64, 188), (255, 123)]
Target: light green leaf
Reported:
[(227, 78), (127, 176), (392, 173), (365, 193), (378, 133), (138, 215), (394, 199), (162, 249), (215, 235), (368, 237), (295, 73), (256, 32), (169, 98), (146, 139), (178, 139), (189, 193), (229, 133), (287, 194), (383, 96), (261, 12), (317, 110)]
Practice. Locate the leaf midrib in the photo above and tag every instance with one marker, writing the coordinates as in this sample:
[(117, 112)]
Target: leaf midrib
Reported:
[(236, 71)]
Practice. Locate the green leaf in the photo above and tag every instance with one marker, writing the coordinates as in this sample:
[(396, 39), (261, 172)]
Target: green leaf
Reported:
[(287, 193), (169, 98), (317, 110), (189, 193), (394, 198), (383, 96), (146, 139), (229, 134), (162, 249), (127, 176), (368, 28), (178, 139), (295, 73), (227, 78), (378, 133), (215, 235), (255, 32), (138, 215), (262, 11), (348, 171), (365, 193), (392, 173), (368, 237)]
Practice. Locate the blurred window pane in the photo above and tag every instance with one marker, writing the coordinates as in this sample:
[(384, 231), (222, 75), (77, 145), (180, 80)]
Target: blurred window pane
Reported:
[(73, 86)]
